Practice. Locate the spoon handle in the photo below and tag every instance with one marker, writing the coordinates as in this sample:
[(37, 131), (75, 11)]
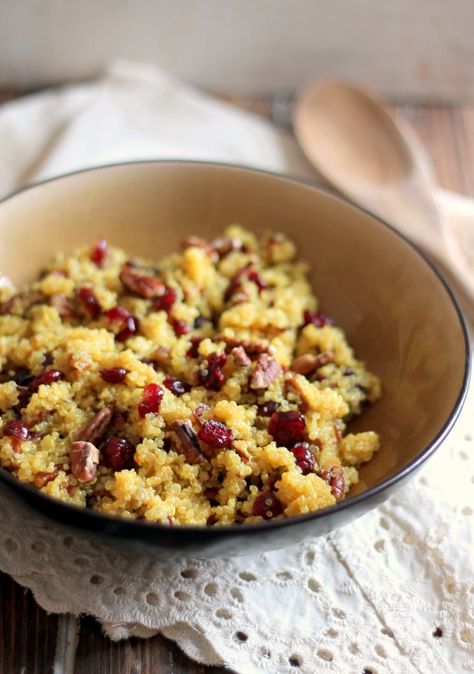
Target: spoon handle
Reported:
[(413, 212)]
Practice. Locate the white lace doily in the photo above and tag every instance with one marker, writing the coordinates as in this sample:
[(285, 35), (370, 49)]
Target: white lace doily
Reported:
[(391, 592)]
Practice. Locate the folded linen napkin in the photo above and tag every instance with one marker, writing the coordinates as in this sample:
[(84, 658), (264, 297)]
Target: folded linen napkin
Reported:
[(393, 592)]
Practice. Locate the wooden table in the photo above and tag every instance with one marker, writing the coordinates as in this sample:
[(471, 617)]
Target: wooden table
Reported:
[(33, 642)]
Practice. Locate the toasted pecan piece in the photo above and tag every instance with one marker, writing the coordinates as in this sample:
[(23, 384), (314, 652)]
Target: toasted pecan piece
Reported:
[(240, 357), (189, 444), (97, 427), (64, 305), (138, 283), (252, 346), (84, 460), (334, 477), (266, 371), (197, 242), (310, 362)]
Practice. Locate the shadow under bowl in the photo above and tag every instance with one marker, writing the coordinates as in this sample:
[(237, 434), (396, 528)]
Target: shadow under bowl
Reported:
[(397, 312)]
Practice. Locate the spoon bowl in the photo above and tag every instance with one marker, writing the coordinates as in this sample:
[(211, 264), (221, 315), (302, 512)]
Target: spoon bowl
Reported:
[(357, 146)]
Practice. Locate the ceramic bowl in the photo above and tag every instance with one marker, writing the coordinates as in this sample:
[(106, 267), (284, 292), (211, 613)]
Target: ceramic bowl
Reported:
[(397, 312)]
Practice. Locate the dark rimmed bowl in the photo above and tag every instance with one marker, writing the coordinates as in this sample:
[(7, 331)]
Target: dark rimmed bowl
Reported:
[(396, 310)]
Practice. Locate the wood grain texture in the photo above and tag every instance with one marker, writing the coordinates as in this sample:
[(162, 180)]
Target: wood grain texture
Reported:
[(28, 634), (96, 653)]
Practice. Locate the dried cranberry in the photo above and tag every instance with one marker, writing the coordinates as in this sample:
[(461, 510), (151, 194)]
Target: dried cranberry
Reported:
[(117, 314), (268, 408), (213, 375), (287, 428), (46, 378), (113, 375), (152, 397), (260, 282), (304, 457), (234, 285), (180, 327), (118, 453), (215, 434), (132, 326), (317, 318), (165, 301), (267, 505), (176, 386), (192, 352), (90, 302), (16, 429), (99, 253)]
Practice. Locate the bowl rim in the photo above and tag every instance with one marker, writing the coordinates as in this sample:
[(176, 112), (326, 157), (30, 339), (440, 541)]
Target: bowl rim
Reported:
[(184, 530)]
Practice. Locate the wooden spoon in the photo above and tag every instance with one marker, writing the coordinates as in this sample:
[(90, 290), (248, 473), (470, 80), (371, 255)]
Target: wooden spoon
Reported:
[(357, 146)]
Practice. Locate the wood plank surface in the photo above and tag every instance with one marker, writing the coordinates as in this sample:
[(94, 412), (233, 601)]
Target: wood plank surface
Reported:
[(27, 634)]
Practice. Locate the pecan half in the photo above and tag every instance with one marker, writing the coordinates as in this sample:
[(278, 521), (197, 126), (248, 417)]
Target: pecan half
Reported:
[(225, 244), (96, 428), (309, 362), (240, 357), (251, 346), (84, 460), (64, 305), (188, 441), (143, 285), (244, 455), (334, 477), (42, 479), (197, 242), (266, 371)]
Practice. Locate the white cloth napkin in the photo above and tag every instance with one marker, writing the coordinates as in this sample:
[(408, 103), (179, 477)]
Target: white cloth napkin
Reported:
[(393, 592)]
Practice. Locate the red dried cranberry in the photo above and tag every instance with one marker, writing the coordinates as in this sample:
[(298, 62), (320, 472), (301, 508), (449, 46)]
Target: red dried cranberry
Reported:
[(213, 376), (152, 397), (234, 285), (132, 326), (90, 302), (304, 457), (192, 352), (16, 429), (176, 386), (99, 253), (268, 408), (267, 505), (180, 327), (46, 378), (117, 314), (215, 434), (113, 375), (118, 453), (260, 282), (317, 318), (165, 302), (287, 428)]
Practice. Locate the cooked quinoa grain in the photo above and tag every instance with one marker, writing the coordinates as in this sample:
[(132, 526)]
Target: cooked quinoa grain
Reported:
[(205, 389)]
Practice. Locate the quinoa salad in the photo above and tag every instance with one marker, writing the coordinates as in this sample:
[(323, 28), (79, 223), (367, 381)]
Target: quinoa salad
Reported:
[(205, 389)]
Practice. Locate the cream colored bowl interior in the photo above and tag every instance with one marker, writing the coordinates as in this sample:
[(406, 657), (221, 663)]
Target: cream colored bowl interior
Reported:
[(395, 310)]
